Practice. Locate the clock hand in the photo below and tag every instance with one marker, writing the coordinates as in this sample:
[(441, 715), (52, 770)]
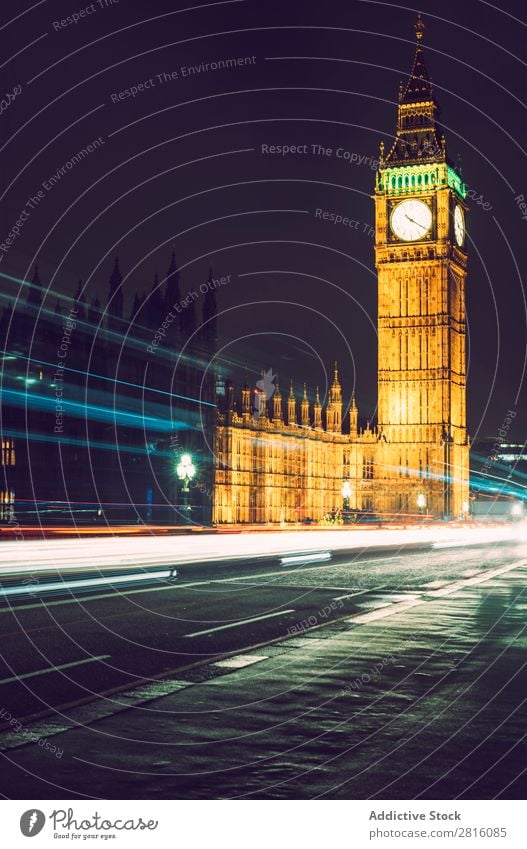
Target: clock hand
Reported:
[(416, 222)]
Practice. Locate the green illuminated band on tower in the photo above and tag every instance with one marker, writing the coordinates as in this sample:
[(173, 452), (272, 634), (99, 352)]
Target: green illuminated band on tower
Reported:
[(455, 182), (409, 179)]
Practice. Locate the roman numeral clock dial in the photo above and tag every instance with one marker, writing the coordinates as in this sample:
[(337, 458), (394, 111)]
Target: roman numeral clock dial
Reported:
[(411, 220), (459, 225)]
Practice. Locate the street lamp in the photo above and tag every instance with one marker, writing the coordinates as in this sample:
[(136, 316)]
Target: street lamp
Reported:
[(421, 502), (346, 493), (186, 470)]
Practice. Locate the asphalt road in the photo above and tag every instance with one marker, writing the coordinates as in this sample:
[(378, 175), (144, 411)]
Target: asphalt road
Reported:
[(450, 649)]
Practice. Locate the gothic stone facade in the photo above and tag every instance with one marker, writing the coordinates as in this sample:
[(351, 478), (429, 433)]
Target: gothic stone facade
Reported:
[(269, 470)]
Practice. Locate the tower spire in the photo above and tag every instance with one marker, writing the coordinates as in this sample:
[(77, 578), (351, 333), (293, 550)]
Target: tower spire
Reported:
[(115, 296), (317, 411), (418, 139), (334, 408), (419, 86), (419, 28), (291, 406), (304, 409), (354, 416), (246, 400), (277, 405)]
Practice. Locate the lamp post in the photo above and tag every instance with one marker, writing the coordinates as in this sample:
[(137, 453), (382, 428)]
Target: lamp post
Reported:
[(421, 502), (447, 452), (346, 493), (186, 470)]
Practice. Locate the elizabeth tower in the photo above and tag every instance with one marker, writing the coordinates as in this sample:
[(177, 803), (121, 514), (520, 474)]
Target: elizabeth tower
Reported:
[(421, 260)]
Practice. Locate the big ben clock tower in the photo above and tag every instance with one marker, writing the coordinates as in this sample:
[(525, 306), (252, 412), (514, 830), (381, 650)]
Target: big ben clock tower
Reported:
[(421, 260)]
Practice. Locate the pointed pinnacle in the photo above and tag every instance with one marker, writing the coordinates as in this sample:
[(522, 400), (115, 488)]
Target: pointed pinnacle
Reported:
[(419, 28)]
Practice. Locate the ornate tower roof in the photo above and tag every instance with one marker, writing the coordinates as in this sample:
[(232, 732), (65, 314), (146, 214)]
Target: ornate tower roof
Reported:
[(418, 87), (418, 139)]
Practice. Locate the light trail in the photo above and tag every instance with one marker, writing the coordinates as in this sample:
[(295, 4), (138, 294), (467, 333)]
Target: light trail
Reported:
[(96, 376), (85, 410), (37, 556), (84, 583)]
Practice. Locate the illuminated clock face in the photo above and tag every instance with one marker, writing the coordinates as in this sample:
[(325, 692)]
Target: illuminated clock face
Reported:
[(411, 220), (459, 225)]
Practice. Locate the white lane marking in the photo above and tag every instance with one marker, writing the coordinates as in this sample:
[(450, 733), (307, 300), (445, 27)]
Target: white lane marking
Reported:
[(238, 624), (360, 592), (374, 604), (380, 613), (435, 585), (53, 669), (82, 599), (239, 661), (482, 578)]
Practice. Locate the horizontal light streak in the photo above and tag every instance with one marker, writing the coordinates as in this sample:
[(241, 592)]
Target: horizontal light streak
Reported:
[(96, 376), (102, 581), (306, 558), (151, 550), (92, 412)]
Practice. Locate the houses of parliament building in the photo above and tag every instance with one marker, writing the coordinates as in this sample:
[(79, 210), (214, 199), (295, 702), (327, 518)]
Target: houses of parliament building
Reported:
[(287, 462)]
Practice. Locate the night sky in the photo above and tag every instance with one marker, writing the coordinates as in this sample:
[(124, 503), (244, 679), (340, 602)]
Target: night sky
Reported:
[(181, 164)]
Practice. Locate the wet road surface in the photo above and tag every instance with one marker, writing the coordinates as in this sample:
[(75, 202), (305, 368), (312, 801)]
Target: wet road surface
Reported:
[(426, 702)]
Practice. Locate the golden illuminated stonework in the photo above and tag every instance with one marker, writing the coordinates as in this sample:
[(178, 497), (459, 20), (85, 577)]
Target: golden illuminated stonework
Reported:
[(417, 458)]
